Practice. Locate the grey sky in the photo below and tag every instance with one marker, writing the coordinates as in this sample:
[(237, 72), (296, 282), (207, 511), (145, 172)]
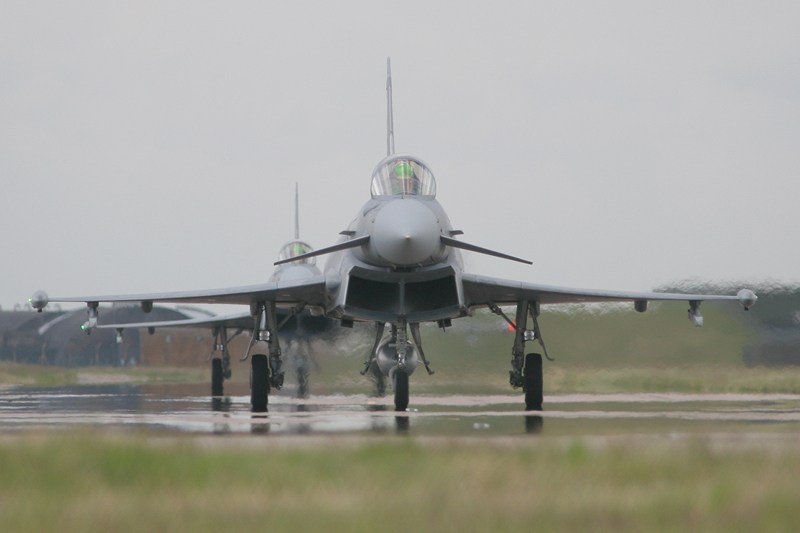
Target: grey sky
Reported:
[(152, 146)]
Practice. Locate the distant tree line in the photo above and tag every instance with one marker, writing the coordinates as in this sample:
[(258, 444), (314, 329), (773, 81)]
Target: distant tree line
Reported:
[(775, 317)]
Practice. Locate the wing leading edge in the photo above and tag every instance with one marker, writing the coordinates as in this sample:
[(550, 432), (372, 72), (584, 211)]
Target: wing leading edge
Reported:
[(481, 291), (310, 291)]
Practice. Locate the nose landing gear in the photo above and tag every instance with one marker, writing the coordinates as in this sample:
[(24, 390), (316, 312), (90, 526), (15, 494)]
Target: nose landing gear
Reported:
[(395, 357)]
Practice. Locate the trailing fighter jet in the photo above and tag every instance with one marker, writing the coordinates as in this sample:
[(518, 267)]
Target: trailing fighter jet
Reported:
[(296, 326), (398, 263)]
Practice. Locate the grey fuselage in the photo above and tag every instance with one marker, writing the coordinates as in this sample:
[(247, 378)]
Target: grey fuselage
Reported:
[(404, 273)]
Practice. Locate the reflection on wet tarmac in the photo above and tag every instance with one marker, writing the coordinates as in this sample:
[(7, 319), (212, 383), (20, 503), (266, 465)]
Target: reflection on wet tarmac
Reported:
[(221, 404), (193, 411), (533, 424), (402, 424), (260, 424)]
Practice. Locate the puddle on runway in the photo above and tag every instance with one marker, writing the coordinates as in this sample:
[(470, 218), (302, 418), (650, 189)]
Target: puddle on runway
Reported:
[(187, 409)]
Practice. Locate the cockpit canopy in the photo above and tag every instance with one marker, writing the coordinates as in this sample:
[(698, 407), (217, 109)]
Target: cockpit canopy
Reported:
[(295, 248), (402, 175)]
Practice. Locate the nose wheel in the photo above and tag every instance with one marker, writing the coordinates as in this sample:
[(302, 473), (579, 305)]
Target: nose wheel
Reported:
[(400, 390)]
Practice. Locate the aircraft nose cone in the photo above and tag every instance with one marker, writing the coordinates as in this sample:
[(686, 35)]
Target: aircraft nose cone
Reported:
[(405, 232)]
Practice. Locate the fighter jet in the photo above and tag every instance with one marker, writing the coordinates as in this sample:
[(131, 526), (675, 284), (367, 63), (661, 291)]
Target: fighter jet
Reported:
[(398, 263), (296, 325)]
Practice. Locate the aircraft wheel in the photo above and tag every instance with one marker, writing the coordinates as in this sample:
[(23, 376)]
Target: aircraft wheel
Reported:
[(302, 381), (534, 382), (259, 383), (216, 377), (400, 390)]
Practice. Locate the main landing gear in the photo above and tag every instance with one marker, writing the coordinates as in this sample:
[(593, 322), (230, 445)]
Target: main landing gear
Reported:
[(526, 370), (265, 371), (220, 366), (395, 357)]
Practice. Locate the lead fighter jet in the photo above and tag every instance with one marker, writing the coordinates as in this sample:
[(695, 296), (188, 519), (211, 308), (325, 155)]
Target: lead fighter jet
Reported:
[(397, 263)]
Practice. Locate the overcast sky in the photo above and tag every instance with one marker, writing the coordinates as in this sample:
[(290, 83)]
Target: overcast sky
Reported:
[(154, 146)]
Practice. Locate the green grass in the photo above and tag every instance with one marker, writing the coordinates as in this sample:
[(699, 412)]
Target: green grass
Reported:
[(590, 337), (686, 379), (100, 482), (35, 375), (17, 374)]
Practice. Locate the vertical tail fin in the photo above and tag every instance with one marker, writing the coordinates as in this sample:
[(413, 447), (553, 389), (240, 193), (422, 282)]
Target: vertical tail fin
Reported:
[(389, 119), (296, 213)]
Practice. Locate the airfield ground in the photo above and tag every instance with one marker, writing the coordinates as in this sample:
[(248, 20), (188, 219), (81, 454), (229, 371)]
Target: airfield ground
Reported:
[(126, 481), (558, 380), (623, 462), (663, 440)]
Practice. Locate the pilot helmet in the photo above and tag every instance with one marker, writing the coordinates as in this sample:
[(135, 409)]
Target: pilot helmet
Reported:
[(297, 249), (403, 170)]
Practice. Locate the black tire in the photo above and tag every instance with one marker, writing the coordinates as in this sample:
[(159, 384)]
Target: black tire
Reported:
[(400, 390), (216, 377), (259, 383), (302, 381), (533, 382)]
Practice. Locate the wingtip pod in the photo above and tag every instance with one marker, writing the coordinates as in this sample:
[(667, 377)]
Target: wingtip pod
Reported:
[(747, 298), (39, 300)]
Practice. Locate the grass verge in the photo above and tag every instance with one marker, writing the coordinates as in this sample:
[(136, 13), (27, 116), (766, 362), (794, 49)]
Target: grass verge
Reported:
[(16, 374), (99, 482)]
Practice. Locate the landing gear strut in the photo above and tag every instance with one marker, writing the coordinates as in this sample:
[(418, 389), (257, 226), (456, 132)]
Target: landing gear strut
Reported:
[(371, 365)]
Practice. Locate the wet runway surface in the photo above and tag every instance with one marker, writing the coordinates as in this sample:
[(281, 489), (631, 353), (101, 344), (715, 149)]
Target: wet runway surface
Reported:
[(189, 409)]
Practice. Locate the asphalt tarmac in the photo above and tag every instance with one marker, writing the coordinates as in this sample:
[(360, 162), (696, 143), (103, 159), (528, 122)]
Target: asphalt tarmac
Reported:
[(189, 409)]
